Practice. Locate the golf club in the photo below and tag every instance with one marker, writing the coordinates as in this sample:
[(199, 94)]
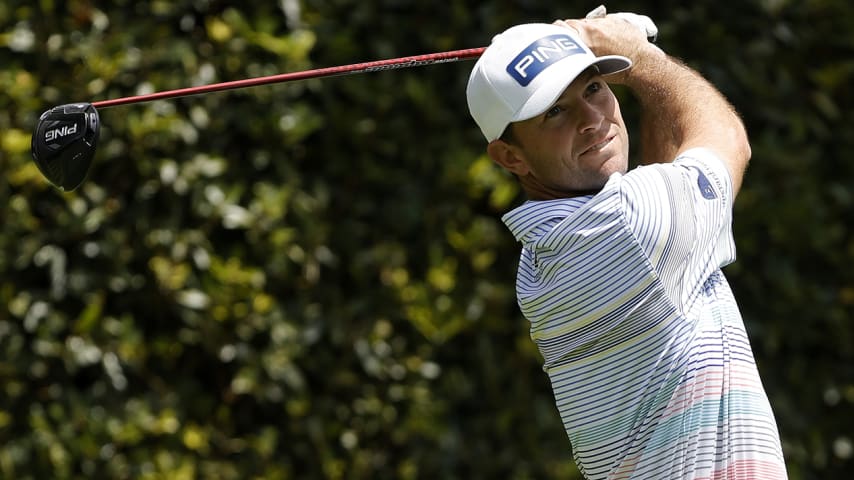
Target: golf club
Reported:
[(65, 137)]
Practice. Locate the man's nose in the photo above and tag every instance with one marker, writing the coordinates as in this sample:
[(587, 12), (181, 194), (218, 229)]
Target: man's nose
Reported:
[(590, 117)]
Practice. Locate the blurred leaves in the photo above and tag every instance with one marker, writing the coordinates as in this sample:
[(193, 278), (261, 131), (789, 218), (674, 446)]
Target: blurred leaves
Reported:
[(311, 280)]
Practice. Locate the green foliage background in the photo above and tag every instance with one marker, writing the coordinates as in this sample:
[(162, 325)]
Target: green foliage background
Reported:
[(311, 280)]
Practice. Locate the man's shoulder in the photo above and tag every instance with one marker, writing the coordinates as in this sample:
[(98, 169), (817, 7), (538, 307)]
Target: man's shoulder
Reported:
[(701, 160), (694, 175)]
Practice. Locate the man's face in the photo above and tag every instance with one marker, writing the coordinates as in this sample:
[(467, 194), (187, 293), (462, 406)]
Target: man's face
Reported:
[(575, 145)]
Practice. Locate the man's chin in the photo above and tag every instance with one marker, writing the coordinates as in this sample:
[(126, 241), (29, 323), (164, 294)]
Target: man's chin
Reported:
[(614, 164), (605, 173)]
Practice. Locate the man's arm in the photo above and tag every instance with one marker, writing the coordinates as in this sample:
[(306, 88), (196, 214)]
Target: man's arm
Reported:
[(679, 108)]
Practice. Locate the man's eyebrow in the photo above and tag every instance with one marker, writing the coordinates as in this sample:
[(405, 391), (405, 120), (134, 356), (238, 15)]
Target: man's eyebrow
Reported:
[(589, 72)]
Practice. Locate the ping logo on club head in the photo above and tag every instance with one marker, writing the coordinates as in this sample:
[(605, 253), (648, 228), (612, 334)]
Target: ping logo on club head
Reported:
[(60, 132), (539, 55)]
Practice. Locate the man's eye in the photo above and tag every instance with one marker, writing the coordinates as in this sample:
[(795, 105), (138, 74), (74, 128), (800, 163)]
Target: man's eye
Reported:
[(553, 111), (594, 87)]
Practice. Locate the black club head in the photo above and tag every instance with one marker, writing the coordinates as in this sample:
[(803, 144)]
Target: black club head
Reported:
[(64, 143)]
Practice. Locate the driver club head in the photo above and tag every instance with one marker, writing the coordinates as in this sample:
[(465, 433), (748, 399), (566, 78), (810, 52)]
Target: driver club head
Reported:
[(64, 143)]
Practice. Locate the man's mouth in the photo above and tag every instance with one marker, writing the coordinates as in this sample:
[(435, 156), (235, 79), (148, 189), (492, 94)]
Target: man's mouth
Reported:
[(598, 146)]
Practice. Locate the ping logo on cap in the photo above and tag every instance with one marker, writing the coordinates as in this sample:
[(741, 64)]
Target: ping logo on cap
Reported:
[(537, 56)]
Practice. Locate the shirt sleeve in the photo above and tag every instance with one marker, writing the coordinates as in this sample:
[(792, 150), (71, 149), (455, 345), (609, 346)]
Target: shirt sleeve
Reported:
[(681, 215)]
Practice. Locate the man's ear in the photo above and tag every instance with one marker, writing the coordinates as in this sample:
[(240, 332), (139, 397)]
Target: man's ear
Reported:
[(509, 156)]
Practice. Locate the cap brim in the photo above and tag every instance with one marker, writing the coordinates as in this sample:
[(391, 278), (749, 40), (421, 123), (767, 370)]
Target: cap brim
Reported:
[(562, 74)]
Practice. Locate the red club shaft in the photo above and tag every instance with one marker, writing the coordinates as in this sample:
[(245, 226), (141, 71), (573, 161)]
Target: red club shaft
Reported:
[(378, 65)]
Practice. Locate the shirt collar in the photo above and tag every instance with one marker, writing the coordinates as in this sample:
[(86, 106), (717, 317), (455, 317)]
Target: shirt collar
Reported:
[(524, 219)]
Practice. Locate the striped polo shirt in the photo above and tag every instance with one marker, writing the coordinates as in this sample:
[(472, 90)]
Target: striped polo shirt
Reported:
[(643, 342)]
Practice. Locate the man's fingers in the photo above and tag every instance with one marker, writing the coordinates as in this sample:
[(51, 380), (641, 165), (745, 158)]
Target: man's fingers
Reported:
[(565, 24)]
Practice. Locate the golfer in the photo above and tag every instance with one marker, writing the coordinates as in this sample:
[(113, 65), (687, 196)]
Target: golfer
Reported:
[(619, 275)]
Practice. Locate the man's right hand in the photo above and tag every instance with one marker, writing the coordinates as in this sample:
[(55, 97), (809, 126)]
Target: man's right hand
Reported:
[(623, 33)]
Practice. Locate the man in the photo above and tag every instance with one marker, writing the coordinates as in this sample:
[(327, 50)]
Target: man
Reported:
[(649, 361)]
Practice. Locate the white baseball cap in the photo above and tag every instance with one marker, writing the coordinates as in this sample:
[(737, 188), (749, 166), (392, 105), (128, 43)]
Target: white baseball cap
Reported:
[(524, 71)]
